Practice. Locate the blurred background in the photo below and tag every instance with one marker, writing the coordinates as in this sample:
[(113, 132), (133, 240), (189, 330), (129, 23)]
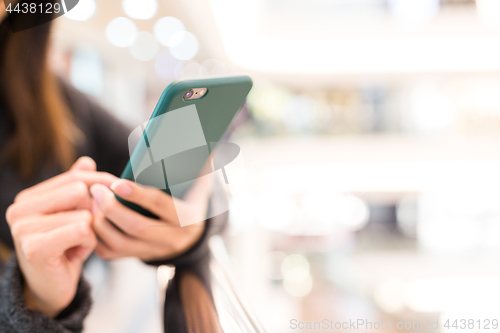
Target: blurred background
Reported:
[(371, 141)]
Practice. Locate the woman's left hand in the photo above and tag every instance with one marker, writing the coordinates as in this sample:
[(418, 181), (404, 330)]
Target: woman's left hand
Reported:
[(142, 237)]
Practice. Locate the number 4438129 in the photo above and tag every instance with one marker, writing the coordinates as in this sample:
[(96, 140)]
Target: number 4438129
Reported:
[(484, 324), (33, 8)]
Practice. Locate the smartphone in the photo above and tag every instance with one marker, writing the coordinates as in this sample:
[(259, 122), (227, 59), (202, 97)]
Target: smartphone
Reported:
[(207, 107)]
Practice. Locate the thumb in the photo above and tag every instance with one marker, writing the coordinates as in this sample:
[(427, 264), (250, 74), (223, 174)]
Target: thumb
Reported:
[(84, 163)]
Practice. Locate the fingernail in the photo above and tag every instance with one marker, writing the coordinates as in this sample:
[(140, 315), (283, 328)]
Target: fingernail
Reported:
[(122, 189), (96, 194)]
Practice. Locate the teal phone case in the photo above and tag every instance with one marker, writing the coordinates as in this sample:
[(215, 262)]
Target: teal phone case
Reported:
[(216, 110)]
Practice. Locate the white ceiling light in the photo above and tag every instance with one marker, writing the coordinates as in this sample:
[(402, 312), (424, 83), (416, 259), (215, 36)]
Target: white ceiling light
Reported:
[(185, 45), (83, 10), (165, 28), (140, 9), (121, 32), (145, 46)]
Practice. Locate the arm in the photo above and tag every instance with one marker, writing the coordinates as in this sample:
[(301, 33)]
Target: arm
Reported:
[(42, 289)]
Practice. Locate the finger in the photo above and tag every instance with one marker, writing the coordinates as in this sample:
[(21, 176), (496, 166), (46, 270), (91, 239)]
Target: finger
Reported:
[(87, 177), (153, 200), (70, 196), (57, 241), (106, 253), (148, 254), (72, 235), (161, 239), (84, 163), (40, 224), (114, 243), (129, 221)]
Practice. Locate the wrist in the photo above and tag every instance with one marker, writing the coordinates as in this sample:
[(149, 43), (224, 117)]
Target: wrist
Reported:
[(35, 303)]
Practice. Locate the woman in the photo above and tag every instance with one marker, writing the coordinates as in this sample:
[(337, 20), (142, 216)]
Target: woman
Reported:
[(56, 215)]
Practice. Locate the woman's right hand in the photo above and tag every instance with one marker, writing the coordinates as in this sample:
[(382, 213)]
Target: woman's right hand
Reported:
[(52, 230)]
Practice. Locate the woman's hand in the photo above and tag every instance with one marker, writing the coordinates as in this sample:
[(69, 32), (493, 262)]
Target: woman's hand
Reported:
[(143, 237), (52, 231)]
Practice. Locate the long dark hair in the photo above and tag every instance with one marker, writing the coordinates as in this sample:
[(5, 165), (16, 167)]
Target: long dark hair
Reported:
[(41, 128)]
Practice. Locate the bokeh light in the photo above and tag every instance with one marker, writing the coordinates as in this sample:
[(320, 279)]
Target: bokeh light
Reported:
[(83, 10), (185, 45), (121, 32), (268, 102), (297, 279), (297, 289), (165, 29), (165, 65), (179, 68), (355, 214), (296, 264), (335, 209), (145, 46), (318, 202), (215, 67), (140, 9), (192, 69)]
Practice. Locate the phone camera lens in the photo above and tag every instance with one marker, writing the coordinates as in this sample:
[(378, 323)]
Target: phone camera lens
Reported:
[(188, 94)]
